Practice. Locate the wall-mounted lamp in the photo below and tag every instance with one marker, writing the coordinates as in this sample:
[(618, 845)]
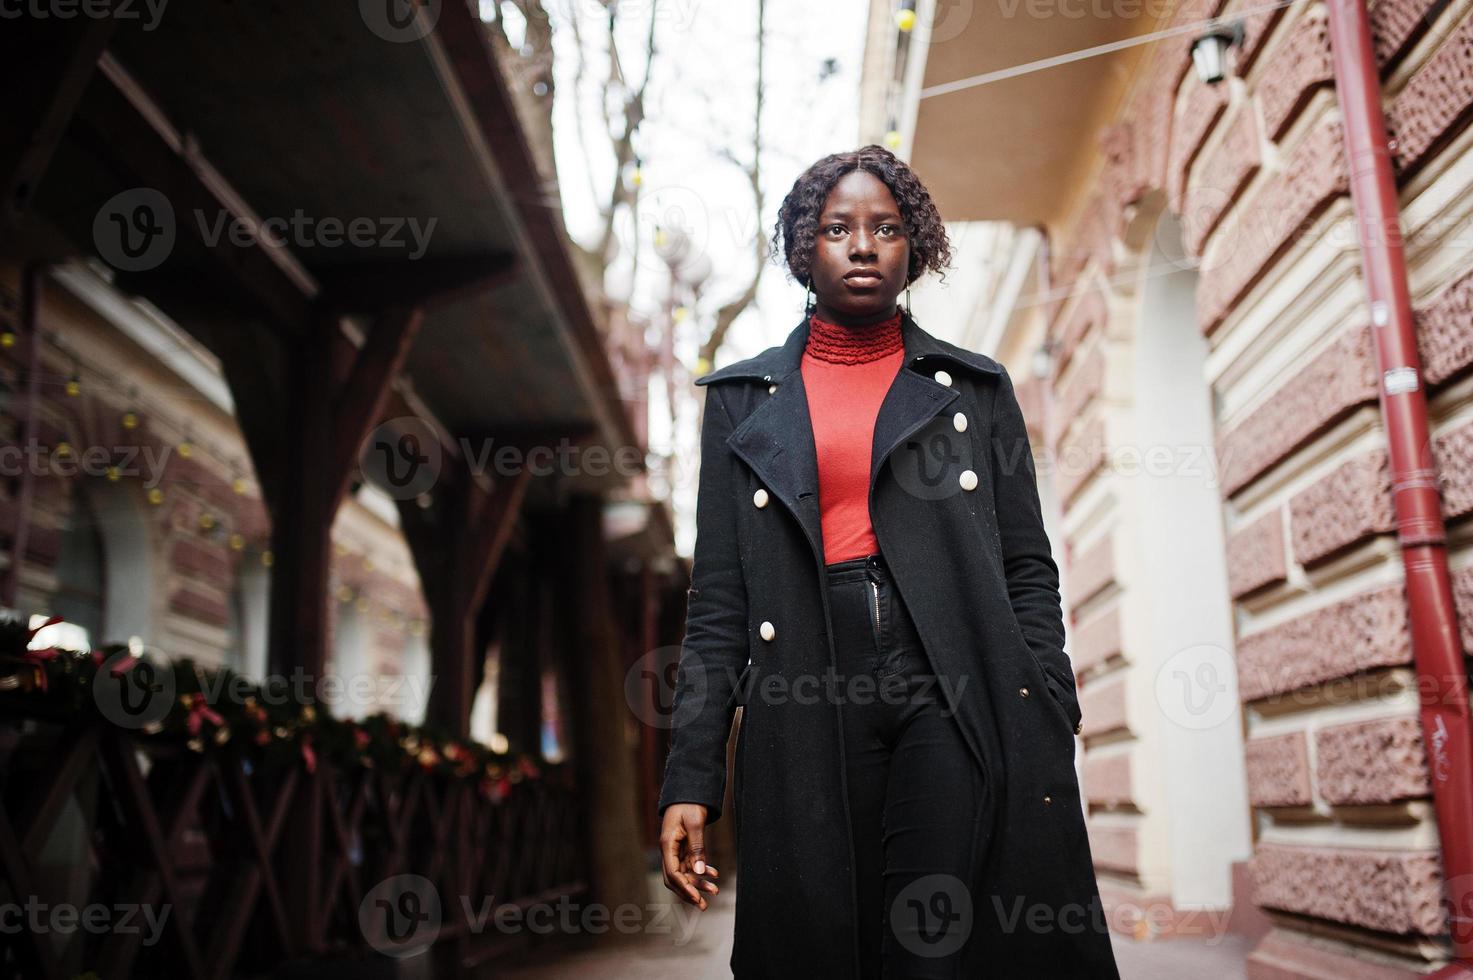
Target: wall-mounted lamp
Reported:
[(1209, 52)]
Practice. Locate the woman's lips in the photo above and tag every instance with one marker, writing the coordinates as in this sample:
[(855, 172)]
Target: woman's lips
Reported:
[(862, 280)]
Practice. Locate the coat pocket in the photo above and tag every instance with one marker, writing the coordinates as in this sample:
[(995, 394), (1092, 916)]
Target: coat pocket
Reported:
[(1064, 697)]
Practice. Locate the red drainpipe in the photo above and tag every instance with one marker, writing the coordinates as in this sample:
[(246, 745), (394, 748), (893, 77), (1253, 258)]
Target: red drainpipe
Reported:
[(1436, 649)]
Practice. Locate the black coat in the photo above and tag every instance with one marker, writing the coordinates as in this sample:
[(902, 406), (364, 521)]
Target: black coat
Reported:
[(974, 568)]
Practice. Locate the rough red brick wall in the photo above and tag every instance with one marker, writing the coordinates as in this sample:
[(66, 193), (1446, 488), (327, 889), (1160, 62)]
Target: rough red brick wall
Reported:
[(1323, 672)]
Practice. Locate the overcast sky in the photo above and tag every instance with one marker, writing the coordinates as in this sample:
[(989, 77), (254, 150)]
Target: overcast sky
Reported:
[(701, 97)]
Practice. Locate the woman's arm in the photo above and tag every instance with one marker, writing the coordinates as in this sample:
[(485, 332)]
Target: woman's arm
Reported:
[(1028, 562), (715, 648)]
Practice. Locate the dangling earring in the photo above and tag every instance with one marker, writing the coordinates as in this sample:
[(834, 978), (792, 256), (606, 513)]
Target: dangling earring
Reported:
[(907, 298), (808, 303)]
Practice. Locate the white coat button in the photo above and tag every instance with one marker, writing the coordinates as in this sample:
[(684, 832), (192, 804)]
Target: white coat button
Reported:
[(760, 498), (943, 377), (771, 389), (969, 480), (959, 421), (767, 630)]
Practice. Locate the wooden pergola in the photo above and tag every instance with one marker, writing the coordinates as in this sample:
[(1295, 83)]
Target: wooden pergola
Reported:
[(482, 337)]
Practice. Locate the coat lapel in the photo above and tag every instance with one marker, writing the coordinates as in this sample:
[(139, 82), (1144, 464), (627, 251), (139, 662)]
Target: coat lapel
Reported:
[(776, 439)]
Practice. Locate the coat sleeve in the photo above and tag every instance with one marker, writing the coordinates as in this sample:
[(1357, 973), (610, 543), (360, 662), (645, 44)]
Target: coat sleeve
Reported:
[(1028, 562), (715, 648)]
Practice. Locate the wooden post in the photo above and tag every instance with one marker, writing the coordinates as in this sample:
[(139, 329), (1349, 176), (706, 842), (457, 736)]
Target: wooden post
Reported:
[(334, 396), (599, 715), (457, 543)]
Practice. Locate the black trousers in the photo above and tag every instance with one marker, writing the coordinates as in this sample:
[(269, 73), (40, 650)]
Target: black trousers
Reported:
[(917, 801)]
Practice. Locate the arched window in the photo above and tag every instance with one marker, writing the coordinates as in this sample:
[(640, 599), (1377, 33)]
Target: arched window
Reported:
[(250, 607), (414, 674), (80, 593), (351, 664), (125, 529)]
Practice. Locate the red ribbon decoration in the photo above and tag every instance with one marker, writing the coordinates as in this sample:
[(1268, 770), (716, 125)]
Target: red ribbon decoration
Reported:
[(200, 712), (38, 658)]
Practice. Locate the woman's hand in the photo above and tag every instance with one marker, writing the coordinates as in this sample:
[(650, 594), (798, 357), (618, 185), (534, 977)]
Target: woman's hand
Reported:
[(683, 850)]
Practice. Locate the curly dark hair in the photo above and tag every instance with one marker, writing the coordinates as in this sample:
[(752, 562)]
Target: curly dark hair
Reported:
[(797, 218)]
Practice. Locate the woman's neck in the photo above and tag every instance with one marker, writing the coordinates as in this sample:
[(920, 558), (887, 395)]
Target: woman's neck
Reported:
[(850, 344), (830, 315)]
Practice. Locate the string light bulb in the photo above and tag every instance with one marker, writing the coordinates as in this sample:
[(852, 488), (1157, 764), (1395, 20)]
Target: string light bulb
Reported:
[(905, 17)]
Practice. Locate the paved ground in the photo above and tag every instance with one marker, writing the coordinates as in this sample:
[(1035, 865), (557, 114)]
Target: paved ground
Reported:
[(697, 946)]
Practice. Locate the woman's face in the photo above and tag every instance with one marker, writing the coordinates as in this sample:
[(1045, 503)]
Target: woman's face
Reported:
[(860, 251)]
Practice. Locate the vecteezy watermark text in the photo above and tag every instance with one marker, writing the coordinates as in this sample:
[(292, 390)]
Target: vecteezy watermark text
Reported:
[(63, 918), (148, 12), (110, 461), (135, 230)]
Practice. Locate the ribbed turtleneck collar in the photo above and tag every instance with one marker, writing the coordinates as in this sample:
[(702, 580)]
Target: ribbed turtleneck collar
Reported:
[(853, 345)]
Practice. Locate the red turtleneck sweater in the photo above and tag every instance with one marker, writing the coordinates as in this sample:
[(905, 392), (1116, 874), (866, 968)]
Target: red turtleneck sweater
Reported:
[(846, 372)]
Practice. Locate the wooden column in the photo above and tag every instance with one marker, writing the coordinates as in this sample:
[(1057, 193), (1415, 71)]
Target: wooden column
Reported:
[(519, 689), (457, 543), (334, 396), (600, 718)]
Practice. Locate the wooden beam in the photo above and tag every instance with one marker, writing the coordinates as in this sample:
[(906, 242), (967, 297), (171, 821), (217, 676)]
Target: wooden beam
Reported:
[(45, 65), (490, 530), (110, 122), (361, 401), (427, 282)]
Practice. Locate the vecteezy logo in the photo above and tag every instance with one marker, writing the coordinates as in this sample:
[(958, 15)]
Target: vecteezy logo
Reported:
[(400, 20), (951, 18), (1195, 687), (651, 682), (401, 916), (134, 231), (932, 916), (929, 464), (132, 695), (401, 457)]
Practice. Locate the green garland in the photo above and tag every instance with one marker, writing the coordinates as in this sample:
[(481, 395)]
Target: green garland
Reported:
[(215, 708)]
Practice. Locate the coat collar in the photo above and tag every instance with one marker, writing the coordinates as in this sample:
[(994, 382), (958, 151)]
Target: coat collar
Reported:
[(776, 439), (921, 351)]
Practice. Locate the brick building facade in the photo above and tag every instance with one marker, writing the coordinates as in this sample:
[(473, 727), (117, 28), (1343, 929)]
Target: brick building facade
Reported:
[(1251, 754), (146, 519)]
